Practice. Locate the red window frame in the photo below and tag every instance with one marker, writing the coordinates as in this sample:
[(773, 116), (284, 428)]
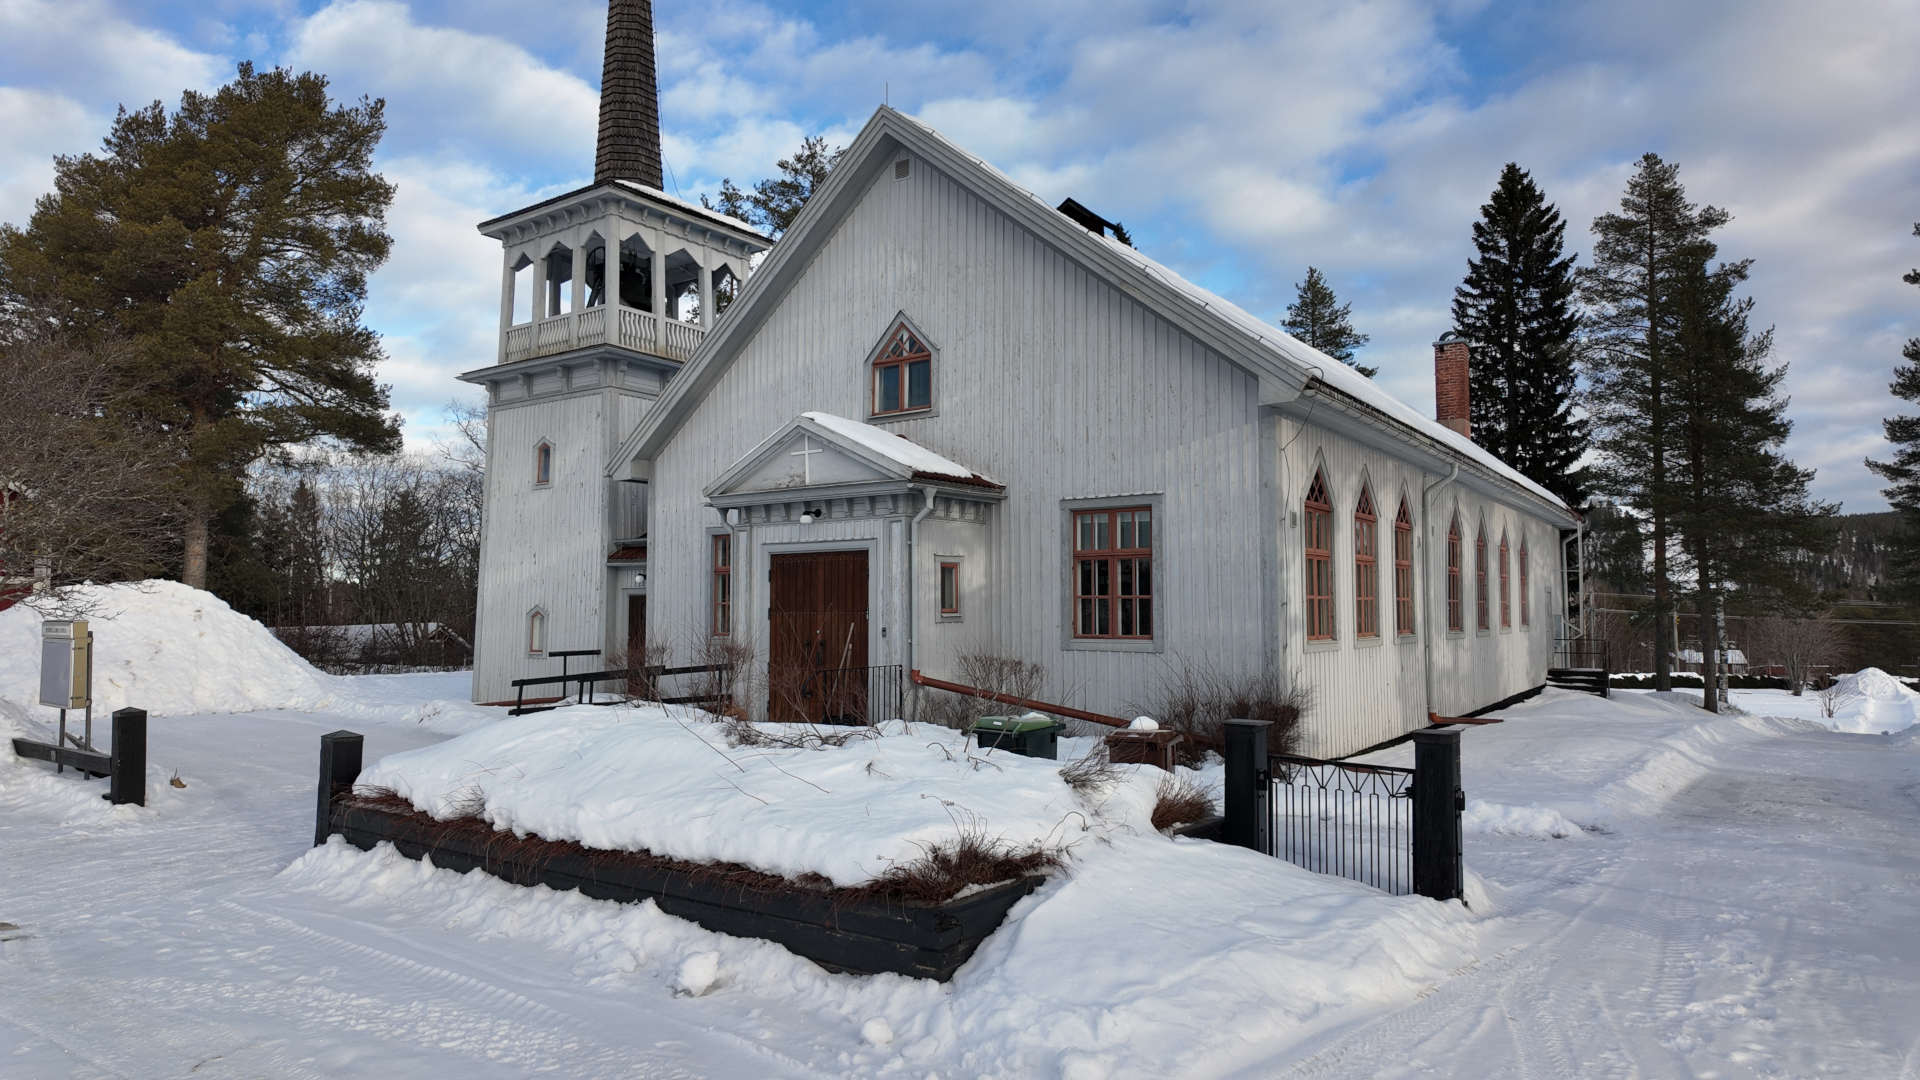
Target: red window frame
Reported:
[(1403, 571), (723, 585), (949, 588), (1317, 538), (903, 370), (1366, 567), (1506, 594), (543, 464), (1482, 602), (1523, 585), (1113, 574), (1456, 617)]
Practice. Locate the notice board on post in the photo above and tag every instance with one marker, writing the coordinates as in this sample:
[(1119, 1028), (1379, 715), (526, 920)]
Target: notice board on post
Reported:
[(64, 664)]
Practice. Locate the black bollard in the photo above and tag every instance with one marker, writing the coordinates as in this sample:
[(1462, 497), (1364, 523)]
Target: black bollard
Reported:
[(339, 768), (1245, 806), (1437, 803), (129, 772)]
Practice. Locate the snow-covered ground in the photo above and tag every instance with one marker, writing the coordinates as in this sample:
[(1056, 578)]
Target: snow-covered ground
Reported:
[(1657, 893)]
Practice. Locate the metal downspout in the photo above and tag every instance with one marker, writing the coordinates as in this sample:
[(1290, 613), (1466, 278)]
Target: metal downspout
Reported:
[(1426, 562), (913, 545)]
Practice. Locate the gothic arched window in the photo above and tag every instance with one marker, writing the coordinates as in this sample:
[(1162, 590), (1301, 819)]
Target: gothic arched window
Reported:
[(1366, 567), (1318, 536)]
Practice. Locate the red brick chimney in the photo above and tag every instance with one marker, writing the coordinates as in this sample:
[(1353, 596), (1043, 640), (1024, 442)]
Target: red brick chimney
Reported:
[(1450, 382)]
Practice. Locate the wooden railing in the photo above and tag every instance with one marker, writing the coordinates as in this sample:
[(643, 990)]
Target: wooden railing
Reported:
[(641, 331)]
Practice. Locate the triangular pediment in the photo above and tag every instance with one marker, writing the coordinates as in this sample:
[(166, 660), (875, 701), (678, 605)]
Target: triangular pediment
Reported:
[(817, 450), (802, 460)]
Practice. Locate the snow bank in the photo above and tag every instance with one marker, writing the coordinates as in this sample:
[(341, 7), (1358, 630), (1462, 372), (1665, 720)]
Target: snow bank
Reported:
[(1154, 958), (1869, 702), (171, 650), (665, 780), (1482, 816)]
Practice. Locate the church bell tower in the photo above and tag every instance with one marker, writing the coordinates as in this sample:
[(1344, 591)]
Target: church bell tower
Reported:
[(605, 292)]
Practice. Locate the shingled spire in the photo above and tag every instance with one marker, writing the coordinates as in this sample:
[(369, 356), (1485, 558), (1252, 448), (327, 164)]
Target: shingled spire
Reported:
[(629, 99)]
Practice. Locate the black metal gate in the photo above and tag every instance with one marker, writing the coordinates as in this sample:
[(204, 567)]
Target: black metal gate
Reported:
[(856, 696), (1340, 818)]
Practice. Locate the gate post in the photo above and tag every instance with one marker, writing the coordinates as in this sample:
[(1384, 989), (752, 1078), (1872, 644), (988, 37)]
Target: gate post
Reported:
[(1437, 803), (339, 768), (129, 772), (1245, 804)]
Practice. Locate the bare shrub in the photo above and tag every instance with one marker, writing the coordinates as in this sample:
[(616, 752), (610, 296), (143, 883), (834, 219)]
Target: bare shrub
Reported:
[(325, 647), (636, 658), (989, 674), (1197, 699), (1834, 695), (1179, 801)]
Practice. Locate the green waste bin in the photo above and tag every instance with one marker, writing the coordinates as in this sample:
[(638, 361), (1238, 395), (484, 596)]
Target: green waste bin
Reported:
[(1028, 736)]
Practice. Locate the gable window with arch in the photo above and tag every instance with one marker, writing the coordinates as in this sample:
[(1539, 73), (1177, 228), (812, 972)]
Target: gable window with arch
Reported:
[(1317, 535), (1366, 567), (1524, 621), (542, 463), (537, 632), (1403, 571), (1480, 579), (902, 373), (1456, 618), (1506, 594)]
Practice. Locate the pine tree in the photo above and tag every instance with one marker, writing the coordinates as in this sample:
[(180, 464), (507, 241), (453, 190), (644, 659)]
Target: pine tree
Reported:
[(230, 242), (1640, 258), (1318, 318), (1903, 472), (775, 202), (1515, 306)]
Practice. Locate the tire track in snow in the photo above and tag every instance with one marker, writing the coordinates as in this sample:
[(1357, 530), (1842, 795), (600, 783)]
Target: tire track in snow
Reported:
[(474, 990)]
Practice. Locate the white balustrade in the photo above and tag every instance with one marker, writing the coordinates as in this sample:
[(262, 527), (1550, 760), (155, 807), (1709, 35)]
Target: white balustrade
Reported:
[(640, 331)]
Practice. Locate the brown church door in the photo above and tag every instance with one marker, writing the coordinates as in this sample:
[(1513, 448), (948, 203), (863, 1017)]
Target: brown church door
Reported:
[(636, 629), (818, 619)]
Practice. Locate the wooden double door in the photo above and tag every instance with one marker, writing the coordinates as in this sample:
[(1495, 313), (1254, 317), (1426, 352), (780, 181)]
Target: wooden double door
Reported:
[(818, 621)]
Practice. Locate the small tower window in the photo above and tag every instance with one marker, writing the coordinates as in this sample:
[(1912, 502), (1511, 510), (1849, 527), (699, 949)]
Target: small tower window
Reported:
[(949, 588), (902, 374), (537, 632), (543, 463)]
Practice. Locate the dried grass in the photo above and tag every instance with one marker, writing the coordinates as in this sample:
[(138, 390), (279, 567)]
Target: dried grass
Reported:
[(941, 872), (945, 869), (1180, 801), (1092, 772), (991, 674)]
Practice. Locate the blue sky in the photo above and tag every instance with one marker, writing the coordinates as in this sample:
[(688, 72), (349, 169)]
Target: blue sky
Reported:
[(1240, 142)]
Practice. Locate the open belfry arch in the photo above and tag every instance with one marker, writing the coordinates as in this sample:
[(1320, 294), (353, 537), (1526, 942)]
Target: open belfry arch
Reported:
[(605, 292)]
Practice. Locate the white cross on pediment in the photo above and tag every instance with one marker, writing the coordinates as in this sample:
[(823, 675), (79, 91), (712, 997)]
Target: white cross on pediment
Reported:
[(805, 454)]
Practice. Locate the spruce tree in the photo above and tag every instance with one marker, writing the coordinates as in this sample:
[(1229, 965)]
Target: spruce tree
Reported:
[(1318, 318), (1745, 512), (1640, 258), (1903, 472), (230, 242), (1516, 307)]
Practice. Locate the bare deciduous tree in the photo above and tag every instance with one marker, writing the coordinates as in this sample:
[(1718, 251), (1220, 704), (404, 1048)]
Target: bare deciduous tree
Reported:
[(1797, 645), (87, 493)]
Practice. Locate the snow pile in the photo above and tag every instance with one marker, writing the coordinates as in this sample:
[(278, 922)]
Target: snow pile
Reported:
[(1869, 702), (666, 780), (1482, 816), (169, 649)]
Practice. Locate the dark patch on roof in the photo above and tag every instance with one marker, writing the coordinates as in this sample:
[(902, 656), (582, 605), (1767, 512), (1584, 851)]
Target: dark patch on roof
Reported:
[(630, 553), (629, 145), (1086, 218)]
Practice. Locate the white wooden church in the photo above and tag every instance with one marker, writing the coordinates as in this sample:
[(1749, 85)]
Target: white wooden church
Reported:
[(944, 417)]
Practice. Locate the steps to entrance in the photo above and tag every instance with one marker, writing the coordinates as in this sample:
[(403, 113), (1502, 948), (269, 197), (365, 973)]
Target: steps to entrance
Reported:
[(1585, 680)]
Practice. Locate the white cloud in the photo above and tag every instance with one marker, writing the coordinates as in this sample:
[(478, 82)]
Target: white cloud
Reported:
[(85, 50), (34, 126), (451, 92)]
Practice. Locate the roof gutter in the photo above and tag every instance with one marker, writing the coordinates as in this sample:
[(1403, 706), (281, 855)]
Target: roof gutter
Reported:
[(913, 546)]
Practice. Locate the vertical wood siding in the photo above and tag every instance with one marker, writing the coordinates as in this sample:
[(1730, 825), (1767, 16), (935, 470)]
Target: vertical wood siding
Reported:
[(1063, 388)]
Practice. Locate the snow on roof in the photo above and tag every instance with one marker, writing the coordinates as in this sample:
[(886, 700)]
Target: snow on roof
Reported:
[(691, 207), (925, 463), (1295, 352)]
